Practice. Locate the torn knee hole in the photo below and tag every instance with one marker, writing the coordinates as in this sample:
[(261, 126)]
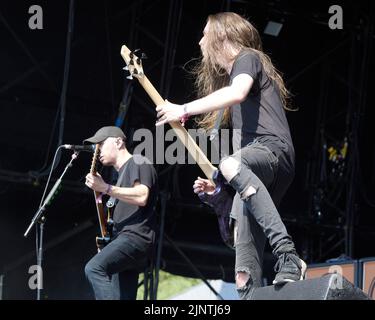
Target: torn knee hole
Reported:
[(242, 272), (248, 192), (229, 167), (242, 278)]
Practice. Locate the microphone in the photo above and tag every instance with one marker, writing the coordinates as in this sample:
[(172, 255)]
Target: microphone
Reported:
[(87, 147)]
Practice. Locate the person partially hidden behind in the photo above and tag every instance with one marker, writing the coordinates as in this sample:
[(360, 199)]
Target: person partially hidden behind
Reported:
[(113, 271), (236, 76)]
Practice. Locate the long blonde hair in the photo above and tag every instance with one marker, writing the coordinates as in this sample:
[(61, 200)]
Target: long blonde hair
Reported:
[(210, 75)]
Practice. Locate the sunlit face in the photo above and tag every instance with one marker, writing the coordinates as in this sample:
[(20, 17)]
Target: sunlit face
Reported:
[(108, 151), (203, 41), (217, 57)]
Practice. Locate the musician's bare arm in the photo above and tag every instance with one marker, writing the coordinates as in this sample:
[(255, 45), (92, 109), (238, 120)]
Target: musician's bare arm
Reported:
[(137, 195), (222, 98)]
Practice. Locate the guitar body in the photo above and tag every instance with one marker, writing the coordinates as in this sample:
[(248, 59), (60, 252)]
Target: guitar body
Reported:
[(105, 222), (221, 201), (222, 198), (101, 242)]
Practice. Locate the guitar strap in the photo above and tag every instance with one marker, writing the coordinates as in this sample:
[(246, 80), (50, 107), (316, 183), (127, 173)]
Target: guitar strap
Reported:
[(112, 201)]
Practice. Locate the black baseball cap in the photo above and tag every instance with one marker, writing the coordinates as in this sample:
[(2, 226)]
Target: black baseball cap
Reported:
[(105, 133)]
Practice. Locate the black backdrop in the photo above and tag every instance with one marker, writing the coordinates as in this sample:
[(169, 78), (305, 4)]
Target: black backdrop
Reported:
[(328, 71)]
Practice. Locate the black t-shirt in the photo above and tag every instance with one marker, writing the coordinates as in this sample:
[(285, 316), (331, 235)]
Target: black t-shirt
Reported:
[(261, 116), (137, 222)]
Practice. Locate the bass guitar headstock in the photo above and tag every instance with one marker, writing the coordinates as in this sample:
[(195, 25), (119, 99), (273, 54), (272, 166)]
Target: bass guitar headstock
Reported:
[(133, 62), (95, 158)]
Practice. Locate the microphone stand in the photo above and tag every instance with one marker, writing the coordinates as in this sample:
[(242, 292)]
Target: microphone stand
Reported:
[(40, 219)]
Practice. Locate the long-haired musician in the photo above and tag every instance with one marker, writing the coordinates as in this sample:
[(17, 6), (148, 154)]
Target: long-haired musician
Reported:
[(236, 76)]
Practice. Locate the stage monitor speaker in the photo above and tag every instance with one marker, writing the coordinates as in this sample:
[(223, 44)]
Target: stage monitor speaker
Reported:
[(348, 269), (367, 276), (328, 287)]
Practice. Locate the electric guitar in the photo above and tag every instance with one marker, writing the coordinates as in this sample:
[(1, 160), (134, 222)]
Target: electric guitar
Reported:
[(221, 199), (105, 223)]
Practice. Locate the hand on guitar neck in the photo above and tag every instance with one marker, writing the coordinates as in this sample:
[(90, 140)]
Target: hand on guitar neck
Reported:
[(96, 182), (169, 112)]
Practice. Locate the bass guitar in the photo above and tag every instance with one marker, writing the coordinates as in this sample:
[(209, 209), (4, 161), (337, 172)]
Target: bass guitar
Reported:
[(221, 199), (105, 222)]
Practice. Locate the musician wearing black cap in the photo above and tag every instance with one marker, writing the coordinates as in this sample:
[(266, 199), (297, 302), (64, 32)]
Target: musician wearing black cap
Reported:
[(113, 271)]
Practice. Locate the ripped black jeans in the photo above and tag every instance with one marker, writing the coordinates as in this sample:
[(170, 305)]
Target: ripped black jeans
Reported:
[(256, 217)]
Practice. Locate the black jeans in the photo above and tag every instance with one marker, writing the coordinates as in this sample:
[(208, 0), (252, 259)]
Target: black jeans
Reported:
[(256, 217), (113, 272)]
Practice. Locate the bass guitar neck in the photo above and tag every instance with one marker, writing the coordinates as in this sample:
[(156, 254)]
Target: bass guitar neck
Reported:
[(135, 68), (104, 238)]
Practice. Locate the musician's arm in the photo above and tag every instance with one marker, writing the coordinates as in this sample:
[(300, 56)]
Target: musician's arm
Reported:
[(224, 97), (137, 195)]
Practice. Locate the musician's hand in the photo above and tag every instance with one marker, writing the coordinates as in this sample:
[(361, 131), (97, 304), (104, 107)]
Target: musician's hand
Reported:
[(96, 182), (169, 112), (203, 185)]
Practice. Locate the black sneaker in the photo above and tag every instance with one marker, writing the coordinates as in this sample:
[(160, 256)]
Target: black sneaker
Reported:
[(289, 268)]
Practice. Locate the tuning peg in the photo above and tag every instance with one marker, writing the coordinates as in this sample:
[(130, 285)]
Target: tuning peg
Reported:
[(131, 53), (125, 68), (129, 77), (143, 56)]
